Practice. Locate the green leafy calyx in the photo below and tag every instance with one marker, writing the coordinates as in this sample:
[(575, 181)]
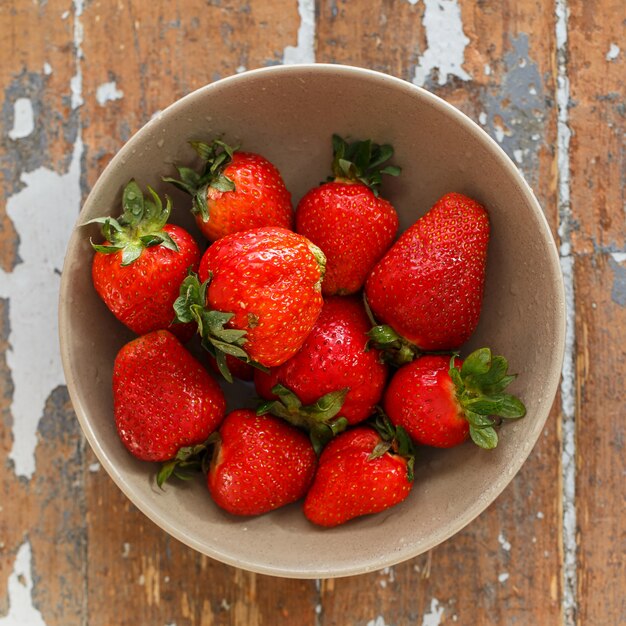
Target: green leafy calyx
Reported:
[(362, 161), (188, 462), (191, 306), (216, 156), (395, 440), (479, 385), (139, 227), (318, 419)]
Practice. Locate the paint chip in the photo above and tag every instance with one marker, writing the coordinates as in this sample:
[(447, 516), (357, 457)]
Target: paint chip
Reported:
[(446, 43), (378, 621), (613, 52), (241, 69), (304, 50), (433, 617), (518, 155), (503, 542), (47, 69), (487, 69), (94, 467), (482, 118), (540, 515), (503, 577), (22, 612), (107, 92), (23, 119)]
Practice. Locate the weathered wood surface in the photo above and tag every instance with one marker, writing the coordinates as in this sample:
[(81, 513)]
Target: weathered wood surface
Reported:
[(80, 77)]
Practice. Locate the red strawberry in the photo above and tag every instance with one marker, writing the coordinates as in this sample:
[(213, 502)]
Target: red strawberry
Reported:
[(333, 372), (260, 295), (163, 399), (429, 287), (361, 471), (260, 463), (139, 269), (441, 401), (234, 191), (346, 218)]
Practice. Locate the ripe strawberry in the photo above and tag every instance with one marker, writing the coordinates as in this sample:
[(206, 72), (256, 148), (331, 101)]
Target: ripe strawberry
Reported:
[(429, 287), (332, 373), (346, 218), (260, 296), (139, 269), (234, 191), (163, 399), (440, 400), (361, 471), (259, 464)]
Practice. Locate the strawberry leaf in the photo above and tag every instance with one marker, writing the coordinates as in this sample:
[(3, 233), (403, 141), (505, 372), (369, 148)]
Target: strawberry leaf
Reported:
[(484, 437)]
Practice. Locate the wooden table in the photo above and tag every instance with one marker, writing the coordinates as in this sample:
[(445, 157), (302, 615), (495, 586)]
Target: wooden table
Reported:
[(544, 77)]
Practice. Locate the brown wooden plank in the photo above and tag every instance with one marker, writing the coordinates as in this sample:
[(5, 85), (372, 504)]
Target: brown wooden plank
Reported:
[(161, 51), (43, 515), (488, 572), (598, 161)]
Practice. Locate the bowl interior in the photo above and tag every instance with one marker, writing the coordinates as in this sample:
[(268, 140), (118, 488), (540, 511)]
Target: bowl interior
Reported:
[(288, 114)]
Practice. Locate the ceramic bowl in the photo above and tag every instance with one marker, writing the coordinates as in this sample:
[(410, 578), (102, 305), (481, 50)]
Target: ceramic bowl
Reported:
[(288, 114)]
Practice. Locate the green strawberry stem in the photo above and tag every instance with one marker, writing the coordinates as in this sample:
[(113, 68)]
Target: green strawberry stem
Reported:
[(362, 162), (189, 461), (216, 156), (479, 387), (139, 227), (318, 419), (217, 340), (395, 440)]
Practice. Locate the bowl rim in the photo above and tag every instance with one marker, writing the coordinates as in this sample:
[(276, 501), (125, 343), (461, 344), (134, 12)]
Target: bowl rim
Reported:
[(408, 550)]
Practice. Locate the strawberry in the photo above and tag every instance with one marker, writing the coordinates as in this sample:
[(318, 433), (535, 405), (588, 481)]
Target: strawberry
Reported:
[(234, 191), (139, 268), (441, 400), (163, 399), (257, 297), (260, 463), (429, 287), (332, 373), (363, 470), (346, 218)]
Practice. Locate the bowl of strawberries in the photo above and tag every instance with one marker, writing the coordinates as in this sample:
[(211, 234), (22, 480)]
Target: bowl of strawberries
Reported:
[(300, 308)]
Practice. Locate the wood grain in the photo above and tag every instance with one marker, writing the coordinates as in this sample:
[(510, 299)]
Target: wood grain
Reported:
[(598, 162), (95, 559)]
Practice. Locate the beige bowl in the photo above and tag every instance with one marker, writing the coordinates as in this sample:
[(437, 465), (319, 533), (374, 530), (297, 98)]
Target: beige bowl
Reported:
[(288, 114)]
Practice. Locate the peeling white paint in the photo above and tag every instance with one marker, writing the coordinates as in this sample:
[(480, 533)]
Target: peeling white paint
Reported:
[(240, 69), (47, 69), (487, 69), (65, 15), (433, 617), (503, 577), (33, 290), (23, 119), (613, 52), (568, 374), (619, 257), (446, 43), (540, 515), (318, 609), (94, 467), (76, 82), (125, 550), (482, 118), (225, 604), (504, 543), (413, 2), (499, 133), (518, 155), (107, 92), (20, 587), (304, 51), (378, 621)]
